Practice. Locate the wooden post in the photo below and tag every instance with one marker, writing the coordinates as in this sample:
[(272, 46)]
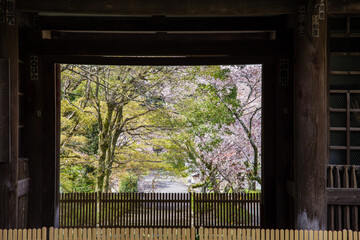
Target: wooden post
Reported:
[(4, 111), (49, 143), (8, 170), (310, 118), (34, 118), (268, 161)]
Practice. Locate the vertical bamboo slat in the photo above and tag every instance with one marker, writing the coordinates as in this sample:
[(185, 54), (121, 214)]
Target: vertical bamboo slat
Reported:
[(15, 234), (174, 234), (10, 234), (207, 234)]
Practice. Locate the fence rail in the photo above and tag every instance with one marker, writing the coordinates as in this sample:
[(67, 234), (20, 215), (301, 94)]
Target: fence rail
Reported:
[(343, 191), (227, 210), (78, 210), (166, 210), (174, 234), (145, 210)]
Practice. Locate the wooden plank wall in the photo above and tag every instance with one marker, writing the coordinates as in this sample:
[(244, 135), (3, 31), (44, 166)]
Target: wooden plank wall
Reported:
[(9, 168)]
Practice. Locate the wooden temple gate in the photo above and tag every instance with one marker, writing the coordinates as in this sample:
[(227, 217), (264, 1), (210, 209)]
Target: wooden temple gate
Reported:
[(309, 50)]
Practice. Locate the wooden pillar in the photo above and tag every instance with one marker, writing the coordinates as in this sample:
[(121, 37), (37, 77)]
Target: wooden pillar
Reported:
[(283, 102), (310, 118), (268, 162), (9, 163), (33, 91), (49, 144), (44, 153)]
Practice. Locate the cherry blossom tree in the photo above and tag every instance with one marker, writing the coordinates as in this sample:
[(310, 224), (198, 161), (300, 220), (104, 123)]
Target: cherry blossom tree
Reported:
[(224, 122)]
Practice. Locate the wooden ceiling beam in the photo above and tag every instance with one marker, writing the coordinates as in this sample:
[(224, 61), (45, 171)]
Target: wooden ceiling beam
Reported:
[(154, 45), (161, 44), (162, 37), (160, 23), (161, 7), (163, 61)]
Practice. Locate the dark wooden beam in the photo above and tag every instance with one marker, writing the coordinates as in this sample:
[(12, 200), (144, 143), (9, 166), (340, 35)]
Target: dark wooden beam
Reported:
[(268, 148), (348, 196), (158, 37), (161, 23), (4, 111), (162, 7), (49, 144), (348, 6), (166, 61), (290, 188), (153, 45), (57, 83), (8, 171), (34, 117), (284, 145)]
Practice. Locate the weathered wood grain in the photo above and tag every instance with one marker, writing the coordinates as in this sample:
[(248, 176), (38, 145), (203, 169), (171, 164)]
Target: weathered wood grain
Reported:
[(311, 126), (4, 111), (161, 7)]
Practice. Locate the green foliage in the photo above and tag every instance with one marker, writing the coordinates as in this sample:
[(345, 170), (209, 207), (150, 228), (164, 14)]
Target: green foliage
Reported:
[(221, 73), (92, 141), (77, 179), (109, 118), (121, 119), (129, 183), (223, 213)]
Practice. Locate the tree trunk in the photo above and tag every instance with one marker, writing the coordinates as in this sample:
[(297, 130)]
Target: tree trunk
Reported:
[(104, 148)]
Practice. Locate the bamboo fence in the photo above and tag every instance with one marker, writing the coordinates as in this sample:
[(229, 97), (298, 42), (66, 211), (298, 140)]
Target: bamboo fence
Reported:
[(174, 234)]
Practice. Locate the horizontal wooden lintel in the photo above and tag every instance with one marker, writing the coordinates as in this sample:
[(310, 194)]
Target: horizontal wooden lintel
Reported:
[(160, 7), (168, 45), (338, 196), (160, 24), (179, 8)]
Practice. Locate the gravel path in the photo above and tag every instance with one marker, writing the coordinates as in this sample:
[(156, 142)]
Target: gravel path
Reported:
[(162, 182)]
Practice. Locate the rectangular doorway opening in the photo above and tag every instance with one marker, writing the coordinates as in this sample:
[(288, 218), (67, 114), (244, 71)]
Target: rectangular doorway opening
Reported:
[(175, 133)]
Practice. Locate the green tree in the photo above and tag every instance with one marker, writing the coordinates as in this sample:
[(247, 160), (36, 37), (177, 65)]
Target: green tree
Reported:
[(107, 112), (140, 118), (129, 183)]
